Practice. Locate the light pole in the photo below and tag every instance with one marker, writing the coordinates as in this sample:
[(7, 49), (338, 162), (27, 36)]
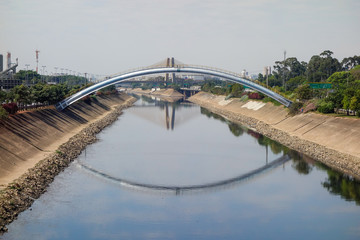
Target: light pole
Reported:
[(85, 79), (26, 76), (56, 68), (43, 72), (284, 72)]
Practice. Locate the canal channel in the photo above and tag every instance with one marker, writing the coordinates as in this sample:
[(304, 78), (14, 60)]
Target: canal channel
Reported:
[(174, 170)]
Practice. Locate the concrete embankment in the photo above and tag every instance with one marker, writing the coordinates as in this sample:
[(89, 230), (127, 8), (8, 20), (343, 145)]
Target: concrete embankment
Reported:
[(38, 145), (334, 141), (161, 92)]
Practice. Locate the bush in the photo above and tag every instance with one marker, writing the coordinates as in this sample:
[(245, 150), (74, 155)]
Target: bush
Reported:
[(11, 108), (244, 98), (3, 113), (254, 95), (295, 108), (325, 106), (87, 99)]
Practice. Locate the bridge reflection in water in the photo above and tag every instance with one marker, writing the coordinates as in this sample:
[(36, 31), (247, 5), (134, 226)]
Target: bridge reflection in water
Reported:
[(199, 188), (169, 107)]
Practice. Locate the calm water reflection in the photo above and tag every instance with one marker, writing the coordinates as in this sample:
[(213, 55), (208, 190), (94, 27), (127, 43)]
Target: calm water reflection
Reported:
[(132, 184)]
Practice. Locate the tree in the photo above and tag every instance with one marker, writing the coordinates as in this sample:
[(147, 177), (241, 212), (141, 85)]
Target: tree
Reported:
[(303, 92), (236, 90), (3, 96), (294, 82), (350, 62), (354, 104), (340, 79), (261, 78), (321, 67), (21, 94), (295, 67), (313, 69), (273, 81), (27, 75), (325, 106), (355, 73), (329, 65), (346, 103), (3, 113)]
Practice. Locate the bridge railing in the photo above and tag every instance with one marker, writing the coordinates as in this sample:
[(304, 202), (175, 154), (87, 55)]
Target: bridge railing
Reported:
[(176, 66), (194, 66), (216, 69)]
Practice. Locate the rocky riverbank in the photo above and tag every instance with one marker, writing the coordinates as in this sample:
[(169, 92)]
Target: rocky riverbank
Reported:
[(20, 194), (333, 141)]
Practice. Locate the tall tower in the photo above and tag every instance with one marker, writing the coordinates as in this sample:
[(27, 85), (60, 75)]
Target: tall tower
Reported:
[(167, 74), (8, 60), (173, 65), (37, 59), (284, 71), (1, 62)]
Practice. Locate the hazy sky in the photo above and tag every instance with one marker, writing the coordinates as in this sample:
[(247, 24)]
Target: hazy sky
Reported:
[(109, 36)]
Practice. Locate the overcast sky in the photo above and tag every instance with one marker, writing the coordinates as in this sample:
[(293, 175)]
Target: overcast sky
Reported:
[(109, 36)]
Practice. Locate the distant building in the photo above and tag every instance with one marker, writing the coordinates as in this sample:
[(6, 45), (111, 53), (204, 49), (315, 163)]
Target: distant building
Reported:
[(244, 74), (267, 71), (7, 80), (194, 77)]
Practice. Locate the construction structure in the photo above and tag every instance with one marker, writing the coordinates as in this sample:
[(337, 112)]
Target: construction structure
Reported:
[(7, 80)]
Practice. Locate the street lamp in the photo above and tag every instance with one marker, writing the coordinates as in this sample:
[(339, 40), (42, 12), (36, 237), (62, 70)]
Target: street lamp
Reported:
[(43, 72), (26, 76)]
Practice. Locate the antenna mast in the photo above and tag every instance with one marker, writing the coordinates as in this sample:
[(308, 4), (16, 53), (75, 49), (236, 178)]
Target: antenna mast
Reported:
[(37, 59)]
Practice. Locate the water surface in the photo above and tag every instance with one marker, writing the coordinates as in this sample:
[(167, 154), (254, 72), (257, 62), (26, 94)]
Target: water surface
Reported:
[(177, 171)]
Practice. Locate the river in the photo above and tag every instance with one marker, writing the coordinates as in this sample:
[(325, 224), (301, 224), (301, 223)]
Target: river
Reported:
[(176, 171)]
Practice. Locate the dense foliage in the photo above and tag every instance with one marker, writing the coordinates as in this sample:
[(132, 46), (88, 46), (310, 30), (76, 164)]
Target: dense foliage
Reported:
[(40, 94), (292, 79)]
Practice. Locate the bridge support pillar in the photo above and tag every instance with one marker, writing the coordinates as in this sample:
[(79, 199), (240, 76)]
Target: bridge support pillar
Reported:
[(170, 62)]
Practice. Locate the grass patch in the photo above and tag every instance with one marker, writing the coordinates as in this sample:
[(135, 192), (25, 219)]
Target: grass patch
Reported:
[(269, 99)]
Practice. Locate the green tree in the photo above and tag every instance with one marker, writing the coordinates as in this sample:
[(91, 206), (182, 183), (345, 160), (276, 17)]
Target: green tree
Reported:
[(295, 67), (27, 75), (294, 82), (321, 67), (21, 95), (303, 92), (346, 103), (3, 113), (350, 62), (313, 69), (354, 104), (3, 96), (236, 90), (325, 106)]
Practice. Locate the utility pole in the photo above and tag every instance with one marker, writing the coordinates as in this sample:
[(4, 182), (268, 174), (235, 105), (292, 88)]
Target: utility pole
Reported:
[(43, 72), (37, 60), (26, 77), (284, 71)]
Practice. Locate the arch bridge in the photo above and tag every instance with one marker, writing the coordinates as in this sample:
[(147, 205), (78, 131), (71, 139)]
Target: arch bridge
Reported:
[(172, 69)]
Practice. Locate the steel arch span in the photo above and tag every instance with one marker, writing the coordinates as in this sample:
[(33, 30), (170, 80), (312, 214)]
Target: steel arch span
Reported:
[(232, 77)]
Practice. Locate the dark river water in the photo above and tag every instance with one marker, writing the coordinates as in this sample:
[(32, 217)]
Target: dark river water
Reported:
[(177, 171)]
